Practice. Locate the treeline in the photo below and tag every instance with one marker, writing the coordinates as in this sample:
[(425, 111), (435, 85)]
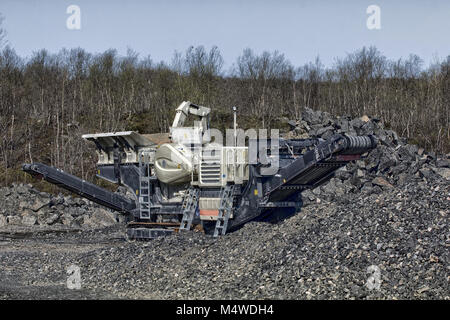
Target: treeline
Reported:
[(49, 100)]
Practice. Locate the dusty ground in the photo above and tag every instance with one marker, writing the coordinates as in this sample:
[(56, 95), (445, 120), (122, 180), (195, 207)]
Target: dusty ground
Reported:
[(34, 261)]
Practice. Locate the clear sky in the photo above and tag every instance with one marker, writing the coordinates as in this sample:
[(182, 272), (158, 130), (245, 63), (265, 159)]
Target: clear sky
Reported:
[(301, 29)]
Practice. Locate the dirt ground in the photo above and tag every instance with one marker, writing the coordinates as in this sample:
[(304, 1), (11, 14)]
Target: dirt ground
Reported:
[(34, 261)]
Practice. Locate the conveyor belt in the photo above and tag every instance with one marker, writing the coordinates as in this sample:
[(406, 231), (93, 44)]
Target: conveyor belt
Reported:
[(317, 165), (79, 186)]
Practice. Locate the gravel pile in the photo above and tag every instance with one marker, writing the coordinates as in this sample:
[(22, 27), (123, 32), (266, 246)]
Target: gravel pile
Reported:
[(378, 230), (323, 252), (393, 163), (327, 251), (22, 205)]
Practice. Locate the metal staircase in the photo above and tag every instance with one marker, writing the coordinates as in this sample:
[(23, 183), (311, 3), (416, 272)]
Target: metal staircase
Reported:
[(144, 196), (190, 204), (225, 209)]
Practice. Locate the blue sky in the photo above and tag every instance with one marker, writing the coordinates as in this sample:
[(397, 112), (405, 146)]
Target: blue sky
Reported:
[(299, 29)]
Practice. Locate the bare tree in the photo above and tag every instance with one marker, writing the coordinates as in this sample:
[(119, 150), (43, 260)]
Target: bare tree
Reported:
[(266, 79), (3, 42)]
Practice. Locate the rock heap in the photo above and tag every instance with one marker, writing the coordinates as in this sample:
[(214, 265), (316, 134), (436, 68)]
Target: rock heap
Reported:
[(393, 163), (25, 206)]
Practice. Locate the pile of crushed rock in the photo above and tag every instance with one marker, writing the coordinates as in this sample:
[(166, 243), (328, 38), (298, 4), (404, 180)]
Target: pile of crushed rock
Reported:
[(23, 205), (384, 216), (393, 163)]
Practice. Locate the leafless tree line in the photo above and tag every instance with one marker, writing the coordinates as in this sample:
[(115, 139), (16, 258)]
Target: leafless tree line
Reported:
[(49, 100)]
